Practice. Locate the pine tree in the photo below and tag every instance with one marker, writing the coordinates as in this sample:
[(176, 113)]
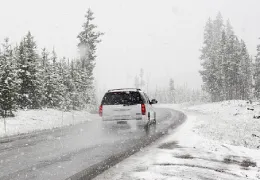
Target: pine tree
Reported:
[(93, 101), (28, 62), (236, 68), (61, 79), (257, 73), (208, 63), (136, 82), (89, 37), (172, 91), (156, 96), (141, 75), (45, 75), (246, 73), (8, 80), (227, 67), (224, 68), (231, 63), (218, 28), (75, 85)]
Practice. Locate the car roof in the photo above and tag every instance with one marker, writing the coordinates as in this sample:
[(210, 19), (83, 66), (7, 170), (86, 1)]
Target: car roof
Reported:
[(125, 89)]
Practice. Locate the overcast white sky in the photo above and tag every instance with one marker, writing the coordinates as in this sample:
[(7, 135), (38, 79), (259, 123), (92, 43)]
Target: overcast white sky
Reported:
[(162, 36)]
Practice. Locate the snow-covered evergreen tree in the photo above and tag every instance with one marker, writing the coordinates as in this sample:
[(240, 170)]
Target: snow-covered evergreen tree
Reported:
[(183, 94), (33, 81), (236, 69), (8, 80), (227, 68), (53, 88), (232, 65), (257, 73), (171, 91), (30, 93), (217, 61), (208, 63), (142, 82), (89, 37), (212, 59), (64, 81), (245, 73), (75, 85), (45, 75), (136, 82), (224, 68)]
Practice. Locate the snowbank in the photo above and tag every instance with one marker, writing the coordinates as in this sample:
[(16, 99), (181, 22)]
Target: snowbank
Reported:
[(33, 120), (230, 122)]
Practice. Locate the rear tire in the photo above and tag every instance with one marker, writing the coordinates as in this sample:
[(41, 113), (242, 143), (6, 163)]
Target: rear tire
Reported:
[(150, 129), (154, 121), (147, 127)]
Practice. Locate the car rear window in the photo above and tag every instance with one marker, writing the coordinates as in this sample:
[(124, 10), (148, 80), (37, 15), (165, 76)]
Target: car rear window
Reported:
[(124, 98)]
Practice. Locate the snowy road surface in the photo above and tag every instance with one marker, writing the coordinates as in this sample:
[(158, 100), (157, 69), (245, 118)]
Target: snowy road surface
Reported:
[(61, 153)]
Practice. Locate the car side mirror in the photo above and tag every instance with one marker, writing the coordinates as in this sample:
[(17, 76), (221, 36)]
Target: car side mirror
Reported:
[(153, 101)]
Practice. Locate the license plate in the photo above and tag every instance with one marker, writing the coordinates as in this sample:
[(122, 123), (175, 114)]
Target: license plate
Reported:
[(121, 122), (122, 116)]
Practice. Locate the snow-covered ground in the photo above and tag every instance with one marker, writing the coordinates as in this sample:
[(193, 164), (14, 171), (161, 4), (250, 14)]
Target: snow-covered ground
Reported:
[(230, 122), (215, 142), (33, 120)]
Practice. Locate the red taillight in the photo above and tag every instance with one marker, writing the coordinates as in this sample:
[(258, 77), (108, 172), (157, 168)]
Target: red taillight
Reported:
[(100, 110), (143, 109)]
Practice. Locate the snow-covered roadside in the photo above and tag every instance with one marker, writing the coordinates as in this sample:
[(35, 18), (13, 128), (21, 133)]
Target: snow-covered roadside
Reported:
[(230, 122), (33, 120), (196, 150)]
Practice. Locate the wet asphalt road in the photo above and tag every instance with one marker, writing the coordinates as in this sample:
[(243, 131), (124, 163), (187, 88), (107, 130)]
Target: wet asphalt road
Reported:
[(78, 150)]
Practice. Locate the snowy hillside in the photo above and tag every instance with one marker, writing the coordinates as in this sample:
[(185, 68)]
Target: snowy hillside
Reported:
[(230, 122)]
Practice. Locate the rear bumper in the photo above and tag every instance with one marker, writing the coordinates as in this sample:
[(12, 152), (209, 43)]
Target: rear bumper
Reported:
[(131, 122), (138, 118)]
